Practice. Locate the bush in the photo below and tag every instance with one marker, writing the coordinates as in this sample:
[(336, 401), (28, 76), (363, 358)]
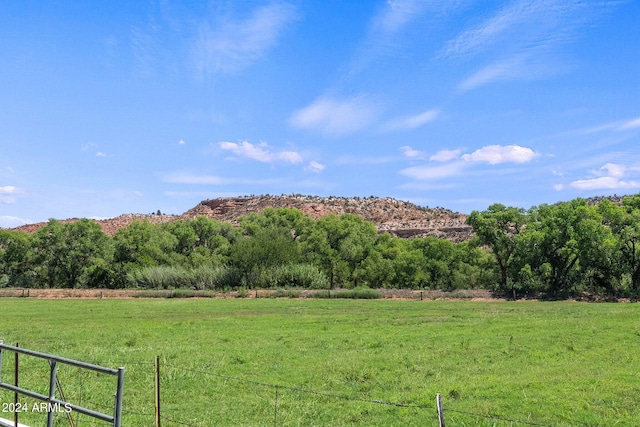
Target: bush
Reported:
[(159, 277), (305, 276), (218, 278), (165, 277)]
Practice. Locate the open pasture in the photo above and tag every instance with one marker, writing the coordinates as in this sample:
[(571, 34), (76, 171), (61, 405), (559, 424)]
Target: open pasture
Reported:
[(549, 363)]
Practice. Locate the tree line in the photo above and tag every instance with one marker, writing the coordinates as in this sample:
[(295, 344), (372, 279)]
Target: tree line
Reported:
[(560, 250)]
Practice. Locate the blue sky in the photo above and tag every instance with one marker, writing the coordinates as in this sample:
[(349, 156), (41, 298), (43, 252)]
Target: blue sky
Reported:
[(129, 107)]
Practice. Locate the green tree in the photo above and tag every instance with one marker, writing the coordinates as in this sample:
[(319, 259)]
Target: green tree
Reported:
[(142, 244), (624, 222), (281, 218), (566, 244), (338, 245), (267, 248), (66, 252), (16, 269), (498, 228)]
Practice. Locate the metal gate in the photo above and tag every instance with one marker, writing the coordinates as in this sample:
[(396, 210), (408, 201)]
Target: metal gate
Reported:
[(52, 402)]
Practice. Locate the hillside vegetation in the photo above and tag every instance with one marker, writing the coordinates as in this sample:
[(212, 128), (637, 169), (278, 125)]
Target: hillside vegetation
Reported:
[(560, 250), (399, 218)]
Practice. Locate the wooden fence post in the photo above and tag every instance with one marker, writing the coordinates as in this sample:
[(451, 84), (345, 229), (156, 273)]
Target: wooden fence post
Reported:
[(440, 410)]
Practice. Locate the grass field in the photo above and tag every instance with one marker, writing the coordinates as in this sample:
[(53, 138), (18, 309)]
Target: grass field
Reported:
[(549, 363)]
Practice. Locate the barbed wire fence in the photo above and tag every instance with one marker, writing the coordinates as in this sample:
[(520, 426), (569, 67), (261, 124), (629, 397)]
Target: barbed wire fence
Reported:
[(158, 394), (217, 403)]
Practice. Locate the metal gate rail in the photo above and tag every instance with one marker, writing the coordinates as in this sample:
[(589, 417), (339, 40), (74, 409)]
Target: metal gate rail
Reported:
[(115, 419)]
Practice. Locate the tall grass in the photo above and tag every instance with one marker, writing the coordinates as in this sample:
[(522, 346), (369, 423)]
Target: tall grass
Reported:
[(224, 277)]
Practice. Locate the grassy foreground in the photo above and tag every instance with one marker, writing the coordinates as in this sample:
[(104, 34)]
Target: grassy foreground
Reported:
[(550, 363)]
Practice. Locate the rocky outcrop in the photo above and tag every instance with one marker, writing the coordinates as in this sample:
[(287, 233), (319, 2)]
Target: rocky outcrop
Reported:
[(396, 217)]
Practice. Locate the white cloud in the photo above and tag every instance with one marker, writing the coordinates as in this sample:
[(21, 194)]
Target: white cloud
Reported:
[(228, 45), (614, 170), (8, 194), (604, 182), (314, 166), (261, 152), (181, 142), (412, 122), (411, 153), (609, 177), (335, 117), (492, 154), (445, 155), (100, 154), (426, 172), (496, 154)]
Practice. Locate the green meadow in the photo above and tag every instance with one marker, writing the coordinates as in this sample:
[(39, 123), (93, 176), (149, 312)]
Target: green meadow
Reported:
[(305, 362)]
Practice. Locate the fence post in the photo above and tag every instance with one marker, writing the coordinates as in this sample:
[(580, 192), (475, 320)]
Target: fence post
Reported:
[(157, 389), (53, 378), (117, 412), (15, 393), (440, 410)]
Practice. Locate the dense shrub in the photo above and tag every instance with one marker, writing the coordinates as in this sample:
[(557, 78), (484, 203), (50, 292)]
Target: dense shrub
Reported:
[(305, 276)]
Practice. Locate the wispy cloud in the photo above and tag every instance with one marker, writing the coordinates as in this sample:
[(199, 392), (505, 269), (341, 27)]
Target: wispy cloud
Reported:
[(91, 146), (196, 179), (411, 122), (396, 26), (314, 166), (396, 14), (147, 46), (335, 117), (618, 125), (362, 160), (412, 153), (523, 67), (429, 173), (631, 124), (8, 221), (183, 178), (609, 177), (445, 155), (523, 40), (229, 45), (261, 152), (9, 193)]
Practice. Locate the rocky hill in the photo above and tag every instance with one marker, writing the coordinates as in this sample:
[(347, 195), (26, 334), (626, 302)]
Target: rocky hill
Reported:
[(402, 219), (399, 218)]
